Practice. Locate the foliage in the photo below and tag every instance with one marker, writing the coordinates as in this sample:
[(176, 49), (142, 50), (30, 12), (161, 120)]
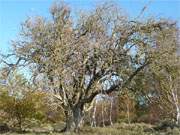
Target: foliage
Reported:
[(101, 52), (19, 110), (127, 107), (157, 87), (168, 87)]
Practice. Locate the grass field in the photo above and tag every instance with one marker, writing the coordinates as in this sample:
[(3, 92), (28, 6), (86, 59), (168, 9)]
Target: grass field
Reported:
[(116, 129)]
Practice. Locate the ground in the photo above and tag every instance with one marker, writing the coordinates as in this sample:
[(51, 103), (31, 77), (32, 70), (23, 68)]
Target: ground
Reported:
[(116, 129)]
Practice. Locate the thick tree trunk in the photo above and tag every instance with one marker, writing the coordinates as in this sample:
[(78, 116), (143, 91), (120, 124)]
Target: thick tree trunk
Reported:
[(74, 119)]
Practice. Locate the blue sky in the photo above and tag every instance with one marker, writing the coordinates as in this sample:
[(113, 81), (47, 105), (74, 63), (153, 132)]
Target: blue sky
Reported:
[(13, 12)]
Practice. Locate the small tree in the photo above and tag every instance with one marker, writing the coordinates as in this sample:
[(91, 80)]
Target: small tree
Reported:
[(19, 103), (158, 85), (127, 106), (21, 109), (168, 87)]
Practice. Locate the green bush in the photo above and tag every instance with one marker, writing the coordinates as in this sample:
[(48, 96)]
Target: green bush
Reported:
[(18, 110)]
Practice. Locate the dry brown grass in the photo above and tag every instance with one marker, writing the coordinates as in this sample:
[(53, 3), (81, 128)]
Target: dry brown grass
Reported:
[(116, 129)]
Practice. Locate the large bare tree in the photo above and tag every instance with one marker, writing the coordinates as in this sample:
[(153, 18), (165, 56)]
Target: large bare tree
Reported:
[(99, 52)]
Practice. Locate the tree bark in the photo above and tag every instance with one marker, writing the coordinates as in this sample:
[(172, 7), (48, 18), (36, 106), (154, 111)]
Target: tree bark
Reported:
[(74, 118), (93, 123), (178, 116), (110, 113), (175, 99)]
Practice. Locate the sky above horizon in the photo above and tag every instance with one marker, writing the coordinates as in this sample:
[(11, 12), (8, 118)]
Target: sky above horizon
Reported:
[(14, 12)]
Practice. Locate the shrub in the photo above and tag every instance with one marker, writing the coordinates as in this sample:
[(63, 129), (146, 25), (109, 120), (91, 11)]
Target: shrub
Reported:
[(18, 110)]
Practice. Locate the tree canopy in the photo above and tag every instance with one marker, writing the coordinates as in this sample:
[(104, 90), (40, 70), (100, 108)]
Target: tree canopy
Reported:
[(74, 59)]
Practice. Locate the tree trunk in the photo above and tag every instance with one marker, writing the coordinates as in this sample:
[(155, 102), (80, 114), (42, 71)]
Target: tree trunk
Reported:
[(74, 119), (128, 112), (102, 112), (176, 103), (19, 118), (93, 123), (110, 113), (177, 115)]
